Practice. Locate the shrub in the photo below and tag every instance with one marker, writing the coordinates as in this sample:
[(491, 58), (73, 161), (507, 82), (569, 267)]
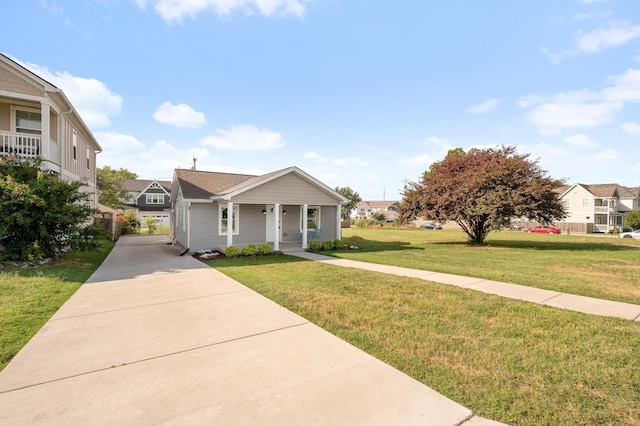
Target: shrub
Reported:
[(315, 245), (338, 244), (361, 224), (327, 245), (249, 250), (232, 251), (264, 249), (151, 224)]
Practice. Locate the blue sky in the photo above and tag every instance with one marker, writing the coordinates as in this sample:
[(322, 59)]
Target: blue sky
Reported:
[(357, 93)]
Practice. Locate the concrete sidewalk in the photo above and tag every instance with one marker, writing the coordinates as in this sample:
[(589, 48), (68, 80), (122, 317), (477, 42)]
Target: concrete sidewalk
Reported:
[(588, 305), (156, 338)]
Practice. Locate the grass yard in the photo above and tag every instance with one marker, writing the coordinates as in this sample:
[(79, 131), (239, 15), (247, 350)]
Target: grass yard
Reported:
[(29, 297), (605, 267), (507, 360)]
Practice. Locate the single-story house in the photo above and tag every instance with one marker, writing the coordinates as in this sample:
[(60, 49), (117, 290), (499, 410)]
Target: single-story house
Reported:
[(211, 210)]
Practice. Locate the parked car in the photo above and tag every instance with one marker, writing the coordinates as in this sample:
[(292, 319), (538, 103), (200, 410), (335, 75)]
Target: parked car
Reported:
[(543, 229), (430, 226), (633, 234)]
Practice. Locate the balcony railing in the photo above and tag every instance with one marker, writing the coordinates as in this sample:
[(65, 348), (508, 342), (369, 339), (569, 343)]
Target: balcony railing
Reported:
[(20, 145)]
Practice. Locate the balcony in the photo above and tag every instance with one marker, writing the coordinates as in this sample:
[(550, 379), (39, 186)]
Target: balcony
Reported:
[(20, 145)]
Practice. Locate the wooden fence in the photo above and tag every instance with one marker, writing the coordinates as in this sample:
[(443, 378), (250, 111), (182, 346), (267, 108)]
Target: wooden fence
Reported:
[(112, 227)]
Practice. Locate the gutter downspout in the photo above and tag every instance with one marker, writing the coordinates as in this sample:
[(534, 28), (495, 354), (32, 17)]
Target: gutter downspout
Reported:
[(188, 225)]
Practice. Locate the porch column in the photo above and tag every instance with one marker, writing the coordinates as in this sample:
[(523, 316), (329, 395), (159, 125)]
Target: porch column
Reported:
[(229, 224), (276, 238), (339, 222), (45, 136), (305, 207)]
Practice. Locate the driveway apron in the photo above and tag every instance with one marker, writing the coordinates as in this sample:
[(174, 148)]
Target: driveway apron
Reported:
[(157, 338)]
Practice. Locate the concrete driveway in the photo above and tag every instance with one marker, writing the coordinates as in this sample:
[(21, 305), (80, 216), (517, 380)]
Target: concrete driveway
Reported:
[(156, 338)]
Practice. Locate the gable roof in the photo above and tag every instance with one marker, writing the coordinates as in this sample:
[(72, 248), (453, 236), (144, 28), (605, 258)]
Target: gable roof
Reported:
[(604, 190), (196, 184), (53, 92), (140, 185)]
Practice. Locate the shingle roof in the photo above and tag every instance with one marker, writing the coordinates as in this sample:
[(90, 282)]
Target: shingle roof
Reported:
[(609, 190), (200, 184), (139, 185)]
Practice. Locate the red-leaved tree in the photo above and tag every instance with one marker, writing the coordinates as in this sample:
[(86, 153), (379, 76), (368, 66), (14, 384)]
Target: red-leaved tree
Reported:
[(482, 190)]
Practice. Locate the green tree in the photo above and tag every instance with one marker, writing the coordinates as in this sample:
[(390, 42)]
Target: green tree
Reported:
[(632, 219), (482, 190), (110, 185), (352, 196), (41, 215)]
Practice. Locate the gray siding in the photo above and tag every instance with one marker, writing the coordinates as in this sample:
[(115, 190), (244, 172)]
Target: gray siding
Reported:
[(291, 224), (252, 226), (328, 224), (204, 227), (179, 235), (288, 189)]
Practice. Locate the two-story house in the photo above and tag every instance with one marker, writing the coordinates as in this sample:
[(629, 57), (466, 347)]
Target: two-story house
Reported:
[(37, 120), (368, 209), (149, 198), (601, 207)]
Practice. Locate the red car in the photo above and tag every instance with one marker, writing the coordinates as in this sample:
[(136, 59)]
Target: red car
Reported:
[(543, 229)]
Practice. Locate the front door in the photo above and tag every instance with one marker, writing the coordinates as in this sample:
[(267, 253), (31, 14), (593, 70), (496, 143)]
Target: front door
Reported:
[(271, 223)]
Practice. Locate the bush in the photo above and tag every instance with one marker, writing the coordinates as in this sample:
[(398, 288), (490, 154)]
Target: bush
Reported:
[(315, 245), (264, 249), (327, 245), (361, 224), (338, 244), (42, 216), (249, 250), (232, 251), (151, 224)]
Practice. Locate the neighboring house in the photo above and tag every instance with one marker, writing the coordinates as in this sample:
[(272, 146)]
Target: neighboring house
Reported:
[(37, 120), (149, 198), (213, 210), (601, 207), (368, 209)]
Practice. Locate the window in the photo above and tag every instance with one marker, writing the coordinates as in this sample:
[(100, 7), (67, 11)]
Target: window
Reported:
[(88, 159), (585, 202), (28, 122), (224, 221), (600, 219), (74, 151), (566, 203), (155, 198), (313, 217)]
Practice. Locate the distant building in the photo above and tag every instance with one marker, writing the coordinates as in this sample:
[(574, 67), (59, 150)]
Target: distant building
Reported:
[(368, 209), (149, 198)]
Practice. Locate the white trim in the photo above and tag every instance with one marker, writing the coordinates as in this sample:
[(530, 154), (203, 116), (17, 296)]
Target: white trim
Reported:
[(235, 217)]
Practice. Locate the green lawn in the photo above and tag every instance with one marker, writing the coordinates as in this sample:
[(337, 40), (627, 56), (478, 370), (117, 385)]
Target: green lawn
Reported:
[(29, 297), (605, 267), (508, 360)]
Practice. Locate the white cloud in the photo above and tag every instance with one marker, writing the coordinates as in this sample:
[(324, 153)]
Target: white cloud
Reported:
[(591, 1), (93, 100), (597, 40), (181, 115), (245, 138), (486, 106), (580, 140), (51, 6), (586, 108), (173, 11), (633, 128)]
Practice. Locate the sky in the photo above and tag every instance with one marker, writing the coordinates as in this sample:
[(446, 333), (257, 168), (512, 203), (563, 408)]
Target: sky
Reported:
[(364, 94)]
